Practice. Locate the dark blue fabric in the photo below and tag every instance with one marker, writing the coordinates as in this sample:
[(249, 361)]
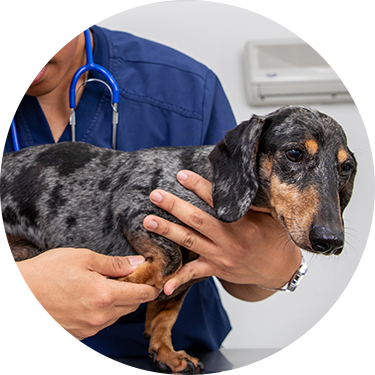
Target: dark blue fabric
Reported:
[(201, 325), (166, 99)]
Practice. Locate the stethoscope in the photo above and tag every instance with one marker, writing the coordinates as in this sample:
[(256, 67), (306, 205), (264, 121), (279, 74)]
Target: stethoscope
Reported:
[(111, 84)]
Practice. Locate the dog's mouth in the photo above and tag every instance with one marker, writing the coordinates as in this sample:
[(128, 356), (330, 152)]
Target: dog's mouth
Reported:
[(323, 247), (327, 252), (317, 238)]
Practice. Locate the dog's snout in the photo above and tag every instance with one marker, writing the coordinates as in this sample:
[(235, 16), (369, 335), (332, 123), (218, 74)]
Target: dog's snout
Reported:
[(326, 240)]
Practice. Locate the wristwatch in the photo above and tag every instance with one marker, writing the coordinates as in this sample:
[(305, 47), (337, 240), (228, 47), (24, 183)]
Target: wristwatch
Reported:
[(296, 279)]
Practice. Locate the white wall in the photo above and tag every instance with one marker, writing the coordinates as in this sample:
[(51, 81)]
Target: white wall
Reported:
[(215, 34)]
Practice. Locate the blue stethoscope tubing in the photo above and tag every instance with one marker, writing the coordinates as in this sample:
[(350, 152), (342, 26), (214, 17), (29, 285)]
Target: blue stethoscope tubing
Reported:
[(111, 85), (13, 131)]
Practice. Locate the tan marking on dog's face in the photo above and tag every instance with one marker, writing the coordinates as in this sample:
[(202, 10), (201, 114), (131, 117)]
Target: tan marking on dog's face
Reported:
[(265, 169), (295, 209), (342, 156), (311, 146)]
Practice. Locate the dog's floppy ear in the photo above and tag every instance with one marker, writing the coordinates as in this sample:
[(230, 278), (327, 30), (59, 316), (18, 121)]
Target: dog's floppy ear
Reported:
[(346, 192), (234, 170)]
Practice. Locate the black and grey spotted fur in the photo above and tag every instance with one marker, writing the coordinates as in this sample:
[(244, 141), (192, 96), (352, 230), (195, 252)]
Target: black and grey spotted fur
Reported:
[(294, 161), (77, 195)]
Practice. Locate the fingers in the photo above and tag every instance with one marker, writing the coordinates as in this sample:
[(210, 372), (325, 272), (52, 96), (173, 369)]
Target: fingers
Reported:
[(190, 271), (179, 234), (114, 266), (192, 216), (113, 300), (127, 294), (196, 184)]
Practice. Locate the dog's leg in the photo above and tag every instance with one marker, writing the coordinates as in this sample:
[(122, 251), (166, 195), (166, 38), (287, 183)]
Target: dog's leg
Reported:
[(160, 318), (21, 249), (163, 260)]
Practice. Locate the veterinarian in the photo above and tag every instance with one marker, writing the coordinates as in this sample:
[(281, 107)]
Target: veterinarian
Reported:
[(167, 99)]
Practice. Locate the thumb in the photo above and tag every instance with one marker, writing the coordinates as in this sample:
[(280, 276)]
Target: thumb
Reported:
[(115, 266), (190, 271)]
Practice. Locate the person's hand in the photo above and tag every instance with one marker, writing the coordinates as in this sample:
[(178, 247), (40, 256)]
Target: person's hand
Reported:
[(255, 250), (73, 285)]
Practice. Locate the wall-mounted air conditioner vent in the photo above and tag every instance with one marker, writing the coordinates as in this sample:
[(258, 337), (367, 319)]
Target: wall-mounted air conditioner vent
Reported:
[(290, 72)]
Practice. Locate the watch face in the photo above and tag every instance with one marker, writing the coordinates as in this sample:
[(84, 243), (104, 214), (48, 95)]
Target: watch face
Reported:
[(298, 276), (303, 268), (295, 282), (291, 286)]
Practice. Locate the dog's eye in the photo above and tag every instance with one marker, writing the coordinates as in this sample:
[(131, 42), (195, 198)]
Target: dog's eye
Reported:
[(345, 169), (294, 155)]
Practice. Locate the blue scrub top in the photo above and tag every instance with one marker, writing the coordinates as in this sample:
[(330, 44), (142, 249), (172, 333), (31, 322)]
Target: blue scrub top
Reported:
[(166, 99)]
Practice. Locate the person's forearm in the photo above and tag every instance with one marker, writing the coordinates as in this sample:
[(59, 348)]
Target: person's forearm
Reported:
[(277, 279), (249, 293)]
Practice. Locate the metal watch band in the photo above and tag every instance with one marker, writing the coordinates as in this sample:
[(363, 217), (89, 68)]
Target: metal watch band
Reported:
[(291, 285)]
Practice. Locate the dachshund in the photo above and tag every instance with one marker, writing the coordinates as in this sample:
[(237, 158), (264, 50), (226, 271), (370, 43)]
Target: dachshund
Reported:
[(294, 161)]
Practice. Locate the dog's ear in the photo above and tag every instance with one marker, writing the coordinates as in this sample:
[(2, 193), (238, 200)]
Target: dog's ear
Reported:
[(234, 170), (346, 192)]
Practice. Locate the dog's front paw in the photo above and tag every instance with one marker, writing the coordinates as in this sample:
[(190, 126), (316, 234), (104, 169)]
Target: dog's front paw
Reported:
[(169, 361)]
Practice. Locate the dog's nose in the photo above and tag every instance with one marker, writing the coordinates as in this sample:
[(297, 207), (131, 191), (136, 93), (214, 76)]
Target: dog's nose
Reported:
[(326, 240)]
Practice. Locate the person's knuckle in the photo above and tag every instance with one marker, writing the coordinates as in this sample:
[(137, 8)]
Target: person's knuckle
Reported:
[(240, 250), (228, 264), (243, 251), (170, 203), (187, 240), (195, 182), (144, 296), (101, 320), (103, 299), (95, 320), (196, 219), (191, 274), (117, 264), (165, 229)]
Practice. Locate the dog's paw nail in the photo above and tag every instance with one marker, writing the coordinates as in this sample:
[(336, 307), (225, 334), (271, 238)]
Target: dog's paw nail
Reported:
[(201, 366), (162, 367), (190, 368)]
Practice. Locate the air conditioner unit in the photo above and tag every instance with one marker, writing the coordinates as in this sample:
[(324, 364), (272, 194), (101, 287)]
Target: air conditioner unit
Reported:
[(290, 72)]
